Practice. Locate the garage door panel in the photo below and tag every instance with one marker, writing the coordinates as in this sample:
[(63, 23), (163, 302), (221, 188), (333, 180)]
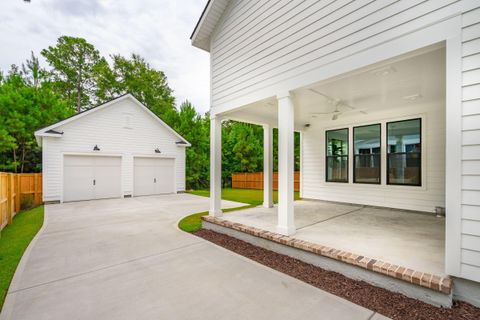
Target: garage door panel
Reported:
[(91, 177), (107, 161), (78, 161), (165, 176), (153, 176), (107, 179), (144, 180), (78, 183)]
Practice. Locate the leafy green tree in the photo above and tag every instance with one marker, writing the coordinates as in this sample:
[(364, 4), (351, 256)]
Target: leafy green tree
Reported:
[(134, 75), (24, 108), (74, 63), (33, 73), (195, 129)]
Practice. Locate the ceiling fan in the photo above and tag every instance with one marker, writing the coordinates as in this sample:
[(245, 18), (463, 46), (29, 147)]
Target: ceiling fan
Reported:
[(336, 103)]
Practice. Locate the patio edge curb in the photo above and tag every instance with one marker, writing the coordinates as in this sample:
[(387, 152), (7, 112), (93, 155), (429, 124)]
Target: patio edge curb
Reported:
[(423, 279)]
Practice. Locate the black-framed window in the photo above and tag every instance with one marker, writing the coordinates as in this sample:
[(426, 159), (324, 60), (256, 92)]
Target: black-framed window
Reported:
[(366, 154), (336, 151), (404, 157)]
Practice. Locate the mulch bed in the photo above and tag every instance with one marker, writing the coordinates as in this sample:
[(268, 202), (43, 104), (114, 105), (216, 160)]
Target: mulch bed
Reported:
[(391, 304)]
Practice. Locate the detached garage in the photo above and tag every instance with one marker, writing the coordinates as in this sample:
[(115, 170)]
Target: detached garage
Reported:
[(117, 149)]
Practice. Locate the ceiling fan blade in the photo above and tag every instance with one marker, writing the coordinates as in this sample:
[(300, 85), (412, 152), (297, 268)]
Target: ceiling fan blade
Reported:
[(335, 116), (320, 113), (363, 111), (347, 105), (319, 93)]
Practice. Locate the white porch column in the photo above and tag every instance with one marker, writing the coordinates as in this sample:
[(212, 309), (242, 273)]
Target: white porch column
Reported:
[(286, 114), (215, 167), (267, 166)]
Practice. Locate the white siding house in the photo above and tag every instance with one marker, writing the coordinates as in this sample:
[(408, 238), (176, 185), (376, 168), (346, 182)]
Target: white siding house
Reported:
[(110, 150), (314, 66)]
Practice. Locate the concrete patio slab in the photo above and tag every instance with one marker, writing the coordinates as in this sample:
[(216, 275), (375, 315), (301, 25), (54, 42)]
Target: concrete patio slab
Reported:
[(307, 213), (125, 259), (410, 239)]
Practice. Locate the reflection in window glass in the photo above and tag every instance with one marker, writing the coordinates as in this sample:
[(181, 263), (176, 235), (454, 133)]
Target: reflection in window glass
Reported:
[(404, 152), (366, 154), (337, 155)]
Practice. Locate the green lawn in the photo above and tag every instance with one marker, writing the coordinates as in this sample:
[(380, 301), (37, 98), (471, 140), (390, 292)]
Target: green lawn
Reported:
[(14, 239), (252, 197)]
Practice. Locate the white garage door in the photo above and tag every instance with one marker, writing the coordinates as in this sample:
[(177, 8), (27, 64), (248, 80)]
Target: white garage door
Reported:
[(153, 176), (91, 177)]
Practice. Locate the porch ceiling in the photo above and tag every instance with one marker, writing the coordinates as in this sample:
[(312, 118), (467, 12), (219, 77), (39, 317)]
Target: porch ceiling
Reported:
[(403, 82)]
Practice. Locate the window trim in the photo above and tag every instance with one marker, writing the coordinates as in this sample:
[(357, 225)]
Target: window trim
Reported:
[(380, 155), (327, 156), (420, 171)]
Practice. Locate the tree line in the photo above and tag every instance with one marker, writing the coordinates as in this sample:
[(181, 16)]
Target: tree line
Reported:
[(77, 77)]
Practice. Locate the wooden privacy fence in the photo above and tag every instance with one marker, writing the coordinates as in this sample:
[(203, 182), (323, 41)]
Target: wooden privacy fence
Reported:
[(254, 180), (17, 190)]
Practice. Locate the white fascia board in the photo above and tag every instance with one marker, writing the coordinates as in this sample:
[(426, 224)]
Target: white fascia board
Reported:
[(175, 133), (194, 41), (42, 132)]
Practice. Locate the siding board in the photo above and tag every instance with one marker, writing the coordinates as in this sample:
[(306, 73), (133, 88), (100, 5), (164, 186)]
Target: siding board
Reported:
[(471, 257), (470, 242), (471, 47), (471, 167), (471, 227), (471, 272), (471, 212), (471, 137)]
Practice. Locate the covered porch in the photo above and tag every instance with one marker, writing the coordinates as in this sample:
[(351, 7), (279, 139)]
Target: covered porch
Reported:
[(372, 169), (374, 136)]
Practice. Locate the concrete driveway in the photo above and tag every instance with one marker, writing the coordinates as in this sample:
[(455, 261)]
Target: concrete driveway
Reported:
[(126, 259)]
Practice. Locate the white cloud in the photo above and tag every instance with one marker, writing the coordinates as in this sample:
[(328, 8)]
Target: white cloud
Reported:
[(157, 30)]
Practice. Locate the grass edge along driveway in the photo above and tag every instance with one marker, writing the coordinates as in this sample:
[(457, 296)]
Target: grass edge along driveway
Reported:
[(14, 240), (253, 197)]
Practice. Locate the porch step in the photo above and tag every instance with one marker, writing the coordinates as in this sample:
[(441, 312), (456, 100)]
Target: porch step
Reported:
[(431, 288)]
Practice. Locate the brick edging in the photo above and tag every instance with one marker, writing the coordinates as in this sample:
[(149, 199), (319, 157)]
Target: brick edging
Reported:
[(427, 280)]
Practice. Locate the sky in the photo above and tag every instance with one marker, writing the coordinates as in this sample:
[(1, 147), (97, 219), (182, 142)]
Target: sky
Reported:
[(158, 30)]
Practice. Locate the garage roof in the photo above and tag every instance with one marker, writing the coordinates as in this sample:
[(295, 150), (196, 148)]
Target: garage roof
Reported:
[(209, 19), (51, 131)]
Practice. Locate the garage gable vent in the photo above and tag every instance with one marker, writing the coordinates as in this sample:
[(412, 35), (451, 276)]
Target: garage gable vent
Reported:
[(127, 120)]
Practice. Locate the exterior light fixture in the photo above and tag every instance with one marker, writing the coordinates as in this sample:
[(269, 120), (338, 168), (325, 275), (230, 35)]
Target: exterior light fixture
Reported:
[(157, 151), (96, 148)]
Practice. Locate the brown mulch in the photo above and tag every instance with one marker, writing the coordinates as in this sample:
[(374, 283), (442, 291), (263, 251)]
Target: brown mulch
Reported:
[(391, 304)]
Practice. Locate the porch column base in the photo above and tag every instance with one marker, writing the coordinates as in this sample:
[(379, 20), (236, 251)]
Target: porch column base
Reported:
[(215, 213), (286, 230)]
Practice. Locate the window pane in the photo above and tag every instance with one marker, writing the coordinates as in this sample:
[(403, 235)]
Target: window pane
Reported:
[(404, 168), (337, 169), (367, 154), (404, 136), (404, 152), (337, 142), (367, 168)]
